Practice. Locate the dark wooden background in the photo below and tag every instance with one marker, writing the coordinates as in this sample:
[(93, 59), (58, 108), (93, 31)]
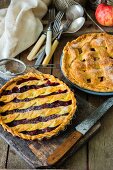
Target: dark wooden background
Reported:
[(97, 154)]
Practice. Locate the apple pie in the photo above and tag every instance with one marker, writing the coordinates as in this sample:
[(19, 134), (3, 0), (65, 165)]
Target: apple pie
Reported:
[(36, 106), (88, 62)]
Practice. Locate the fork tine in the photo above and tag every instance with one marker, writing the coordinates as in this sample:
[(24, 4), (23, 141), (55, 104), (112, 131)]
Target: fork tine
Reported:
[(59, 15), (54, 13), (49, 15), (57, 27), (57, 22)]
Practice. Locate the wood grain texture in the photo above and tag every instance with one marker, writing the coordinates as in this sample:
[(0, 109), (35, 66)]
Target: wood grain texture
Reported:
[(101, 148), (15, 161), (73, 160), (62, 149), (3, 153)]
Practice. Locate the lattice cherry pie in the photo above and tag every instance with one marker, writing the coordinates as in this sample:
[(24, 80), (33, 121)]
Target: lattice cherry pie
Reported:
[(35, 106), (88, 61)]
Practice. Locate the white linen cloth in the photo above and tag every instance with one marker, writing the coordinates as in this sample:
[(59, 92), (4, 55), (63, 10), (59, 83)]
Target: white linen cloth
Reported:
[(20, 25)]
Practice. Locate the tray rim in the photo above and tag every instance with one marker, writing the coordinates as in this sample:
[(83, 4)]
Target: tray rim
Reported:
[(35, 164)]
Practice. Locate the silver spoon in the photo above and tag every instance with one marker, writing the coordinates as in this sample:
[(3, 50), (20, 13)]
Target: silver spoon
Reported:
[(75, 11), (63, 4), (76, 25)]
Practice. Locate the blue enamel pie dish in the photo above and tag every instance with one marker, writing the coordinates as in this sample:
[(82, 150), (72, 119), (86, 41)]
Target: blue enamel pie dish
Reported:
[(83, 89)]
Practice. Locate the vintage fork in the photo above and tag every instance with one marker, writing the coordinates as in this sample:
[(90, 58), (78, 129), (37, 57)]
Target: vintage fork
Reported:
[(56, 27), (42, 38), (65, 26), (49, 31), (57, 23)]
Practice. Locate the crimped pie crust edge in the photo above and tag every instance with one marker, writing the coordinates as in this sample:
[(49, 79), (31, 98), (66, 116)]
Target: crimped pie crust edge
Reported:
[(46, 134)]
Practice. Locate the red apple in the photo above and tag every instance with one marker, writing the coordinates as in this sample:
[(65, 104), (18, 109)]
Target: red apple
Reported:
[(104, 14)]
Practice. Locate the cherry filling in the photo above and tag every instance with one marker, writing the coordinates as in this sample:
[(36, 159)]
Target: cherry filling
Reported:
[(15, 100), (36, 132), (26, 88), (35, 120), (25, 80), (43, 106), (2, 103)]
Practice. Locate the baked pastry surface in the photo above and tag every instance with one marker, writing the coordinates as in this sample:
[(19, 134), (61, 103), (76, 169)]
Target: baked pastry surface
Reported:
[(34, 106), (88, 62)]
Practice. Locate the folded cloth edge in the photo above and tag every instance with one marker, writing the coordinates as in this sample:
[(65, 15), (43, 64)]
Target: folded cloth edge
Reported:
[(22, 27)]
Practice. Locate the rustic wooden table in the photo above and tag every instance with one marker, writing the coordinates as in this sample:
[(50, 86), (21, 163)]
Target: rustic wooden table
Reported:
[(97, 154)]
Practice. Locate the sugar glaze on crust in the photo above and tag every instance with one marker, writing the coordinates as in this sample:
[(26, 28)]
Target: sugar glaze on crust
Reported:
[(88, 62), (36, 106)]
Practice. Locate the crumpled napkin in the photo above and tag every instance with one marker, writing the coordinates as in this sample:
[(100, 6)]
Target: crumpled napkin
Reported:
[(20, 25)]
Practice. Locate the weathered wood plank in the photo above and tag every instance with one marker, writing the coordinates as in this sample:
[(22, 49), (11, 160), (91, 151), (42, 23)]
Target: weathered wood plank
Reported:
[(15, 161), (74, 162), (100, 147), (3, 153)]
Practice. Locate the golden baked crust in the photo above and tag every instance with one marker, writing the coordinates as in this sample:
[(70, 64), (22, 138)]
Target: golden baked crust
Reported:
[(88, 62), (34, 106)]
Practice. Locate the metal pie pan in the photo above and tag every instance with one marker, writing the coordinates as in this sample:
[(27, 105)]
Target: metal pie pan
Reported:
[(83, 89)]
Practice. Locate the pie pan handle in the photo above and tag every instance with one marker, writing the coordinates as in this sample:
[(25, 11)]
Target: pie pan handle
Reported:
[(64, 147)]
